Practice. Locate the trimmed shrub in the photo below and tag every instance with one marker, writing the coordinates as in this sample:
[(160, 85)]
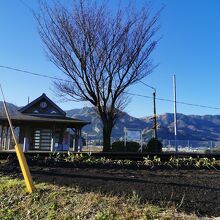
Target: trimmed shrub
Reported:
[(118, 146), (131, 146), (153, 146)]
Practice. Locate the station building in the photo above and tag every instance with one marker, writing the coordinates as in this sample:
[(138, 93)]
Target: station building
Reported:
[(41, 126)]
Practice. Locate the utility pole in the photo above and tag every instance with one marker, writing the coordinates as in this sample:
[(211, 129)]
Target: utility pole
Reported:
[(175, 112), (154, 102), (155, 115), (86, 141)]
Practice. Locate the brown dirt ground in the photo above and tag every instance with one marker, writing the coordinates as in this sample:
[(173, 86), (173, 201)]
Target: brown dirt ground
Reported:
[(192, 191)]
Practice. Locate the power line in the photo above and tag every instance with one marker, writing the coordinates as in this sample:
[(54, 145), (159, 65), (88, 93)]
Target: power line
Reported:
[(33, 73), (129, 93), (179, 102), (134, 94), (148, 85)]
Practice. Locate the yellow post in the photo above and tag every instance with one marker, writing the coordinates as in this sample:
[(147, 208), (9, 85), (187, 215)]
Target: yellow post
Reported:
[(24, 168), (20, 155)]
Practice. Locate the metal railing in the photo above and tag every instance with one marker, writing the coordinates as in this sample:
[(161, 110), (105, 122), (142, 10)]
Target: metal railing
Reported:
[(191, 146)]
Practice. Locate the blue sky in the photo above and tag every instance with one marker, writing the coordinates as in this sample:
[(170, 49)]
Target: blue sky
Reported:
[(190, 48)]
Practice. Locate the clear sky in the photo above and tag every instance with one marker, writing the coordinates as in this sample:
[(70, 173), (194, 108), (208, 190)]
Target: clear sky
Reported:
[(190, 48)]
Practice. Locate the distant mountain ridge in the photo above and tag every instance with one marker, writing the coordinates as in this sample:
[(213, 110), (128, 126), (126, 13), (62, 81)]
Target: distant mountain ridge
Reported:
[(190, 127), (12, 109), (95, 128)]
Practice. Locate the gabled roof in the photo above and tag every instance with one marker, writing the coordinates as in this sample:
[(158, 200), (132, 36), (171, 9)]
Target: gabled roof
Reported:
[(43, 97), (20, 118)]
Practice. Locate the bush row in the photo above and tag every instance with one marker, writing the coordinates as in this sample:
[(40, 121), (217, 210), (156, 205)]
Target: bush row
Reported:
[(153, 146)]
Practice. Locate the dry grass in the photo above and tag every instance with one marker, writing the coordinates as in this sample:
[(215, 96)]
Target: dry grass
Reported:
[(56, 202)]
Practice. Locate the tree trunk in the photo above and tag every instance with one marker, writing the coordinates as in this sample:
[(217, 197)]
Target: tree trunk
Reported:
[(107, 131)]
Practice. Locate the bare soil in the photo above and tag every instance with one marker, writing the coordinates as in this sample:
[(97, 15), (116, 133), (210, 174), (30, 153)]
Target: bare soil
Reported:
[(191, 191)]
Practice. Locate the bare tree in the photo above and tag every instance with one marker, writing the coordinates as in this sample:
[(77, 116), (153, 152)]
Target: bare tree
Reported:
[(102, 53)]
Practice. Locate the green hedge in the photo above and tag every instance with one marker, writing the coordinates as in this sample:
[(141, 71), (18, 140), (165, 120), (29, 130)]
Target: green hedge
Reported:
[(153, 146), (131, 146)]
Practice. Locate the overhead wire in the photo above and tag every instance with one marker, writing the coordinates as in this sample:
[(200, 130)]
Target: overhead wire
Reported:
[(129, 93)]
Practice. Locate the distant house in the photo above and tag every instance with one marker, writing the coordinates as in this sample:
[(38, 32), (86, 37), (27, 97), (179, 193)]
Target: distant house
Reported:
[(42, 126)]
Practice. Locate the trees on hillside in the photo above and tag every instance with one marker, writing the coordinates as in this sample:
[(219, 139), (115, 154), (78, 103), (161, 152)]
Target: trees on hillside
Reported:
[(101, 53)]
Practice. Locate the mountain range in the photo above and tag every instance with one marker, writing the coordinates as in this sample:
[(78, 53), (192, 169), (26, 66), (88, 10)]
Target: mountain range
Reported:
[(190, 127)]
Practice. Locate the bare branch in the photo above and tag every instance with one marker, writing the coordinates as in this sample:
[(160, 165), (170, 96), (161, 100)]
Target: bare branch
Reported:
[(101, 53)]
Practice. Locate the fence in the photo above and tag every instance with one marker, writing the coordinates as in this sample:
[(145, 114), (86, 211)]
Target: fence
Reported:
[(94, 143), (191, 146)]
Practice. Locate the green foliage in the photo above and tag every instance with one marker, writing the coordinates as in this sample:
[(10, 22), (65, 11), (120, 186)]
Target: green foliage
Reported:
[(134, 199), (118, 146), (153, 146), (104, 216), (8, 214), (148, 162), (190, 162), (74, 157), (131, 146)]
